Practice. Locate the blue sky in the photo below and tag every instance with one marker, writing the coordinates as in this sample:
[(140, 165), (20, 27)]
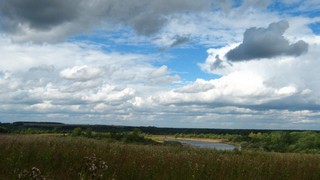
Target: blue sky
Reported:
[(207, 64)]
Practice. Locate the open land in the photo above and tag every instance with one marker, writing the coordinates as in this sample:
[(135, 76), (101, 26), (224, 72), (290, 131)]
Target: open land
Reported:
[(72, 158), (86, 154)]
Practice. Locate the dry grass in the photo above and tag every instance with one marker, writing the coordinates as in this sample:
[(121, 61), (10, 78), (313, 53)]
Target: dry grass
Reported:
[(67, 158)]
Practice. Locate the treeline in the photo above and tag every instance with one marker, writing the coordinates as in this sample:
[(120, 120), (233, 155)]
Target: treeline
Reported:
[(17, 127), (135, 136), (275, 141), (302, 142)]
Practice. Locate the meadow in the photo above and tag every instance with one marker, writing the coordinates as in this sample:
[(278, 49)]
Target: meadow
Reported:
[(67, 157)]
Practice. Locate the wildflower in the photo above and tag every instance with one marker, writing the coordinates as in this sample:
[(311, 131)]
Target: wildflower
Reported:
[(93, 168), (33, 174)]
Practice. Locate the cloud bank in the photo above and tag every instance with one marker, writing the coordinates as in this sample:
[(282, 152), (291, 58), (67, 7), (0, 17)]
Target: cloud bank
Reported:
[(110, 77), (55, 20)]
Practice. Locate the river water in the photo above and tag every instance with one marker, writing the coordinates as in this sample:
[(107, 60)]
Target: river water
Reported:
[(210, 145)]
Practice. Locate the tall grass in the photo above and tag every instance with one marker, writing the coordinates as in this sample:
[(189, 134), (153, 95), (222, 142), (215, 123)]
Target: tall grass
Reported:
[(67, 158)]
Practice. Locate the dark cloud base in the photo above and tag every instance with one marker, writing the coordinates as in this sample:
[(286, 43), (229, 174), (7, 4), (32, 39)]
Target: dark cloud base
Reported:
[(144, 16), (266, 43)]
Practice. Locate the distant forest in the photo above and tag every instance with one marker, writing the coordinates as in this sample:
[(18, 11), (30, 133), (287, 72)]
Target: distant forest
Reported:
[(60, 127)]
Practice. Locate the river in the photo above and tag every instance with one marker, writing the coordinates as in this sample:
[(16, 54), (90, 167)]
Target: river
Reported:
[(202, 144)]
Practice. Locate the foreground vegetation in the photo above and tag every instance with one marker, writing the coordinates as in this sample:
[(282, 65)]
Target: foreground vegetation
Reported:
[(66, 157)]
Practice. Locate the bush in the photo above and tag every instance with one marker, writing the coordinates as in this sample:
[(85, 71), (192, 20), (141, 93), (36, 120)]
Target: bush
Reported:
[(3, 130), (77, 132)]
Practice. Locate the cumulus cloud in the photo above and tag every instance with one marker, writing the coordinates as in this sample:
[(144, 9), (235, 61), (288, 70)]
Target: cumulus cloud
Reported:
[(235, 89), (102, 84), (81, 73), (7, 83), (160, 71), (161, 76), (108, 93), (51, 20), (266, 43), (281, 83)]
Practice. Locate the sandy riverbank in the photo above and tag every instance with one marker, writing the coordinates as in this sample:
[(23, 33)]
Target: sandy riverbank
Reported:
[(205, 140), (161, 138)]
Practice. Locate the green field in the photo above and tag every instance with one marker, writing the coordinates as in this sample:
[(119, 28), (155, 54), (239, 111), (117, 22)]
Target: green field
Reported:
[(65, 157)]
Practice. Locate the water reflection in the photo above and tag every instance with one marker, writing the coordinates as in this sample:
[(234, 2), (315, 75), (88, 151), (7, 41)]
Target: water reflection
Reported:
[(210, 145)]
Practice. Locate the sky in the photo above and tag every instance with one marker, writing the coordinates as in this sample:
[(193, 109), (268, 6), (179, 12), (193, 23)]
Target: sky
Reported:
[(235, 64)]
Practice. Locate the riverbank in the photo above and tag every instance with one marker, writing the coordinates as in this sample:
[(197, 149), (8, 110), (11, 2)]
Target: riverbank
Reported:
[(161, 138), (205, 140), (218, 144)]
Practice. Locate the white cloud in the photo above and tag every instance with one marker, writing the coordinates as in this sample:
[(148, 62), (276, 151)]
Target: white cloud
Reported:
[(160, 72), (110, 94), (84, 80), (217, 28), (128, 89), (81, 73), (271, 83)]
